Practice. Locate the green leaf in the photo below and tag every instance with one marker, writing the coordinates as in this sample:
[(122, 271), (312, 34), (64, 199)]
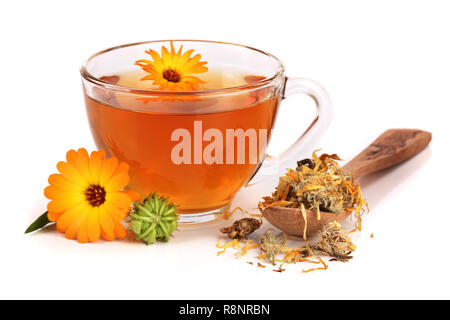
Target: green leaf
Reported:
[(39, 223)]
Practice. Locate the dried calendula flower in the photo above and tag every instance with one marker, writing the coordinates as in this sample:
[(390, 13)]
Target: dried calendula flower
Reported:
[(271, 245), (153, 219), (334, 241), (241, 229)]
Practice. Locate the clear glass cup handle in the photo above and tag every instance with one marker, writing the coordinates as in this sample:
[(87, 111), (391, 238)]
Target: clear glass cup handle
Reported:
[(273, 165)]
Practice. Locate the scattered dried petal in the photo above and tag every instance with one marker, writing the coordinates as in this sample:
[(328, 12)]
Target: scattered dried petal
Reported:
[(261, 265), (248, 245), (233, 243), (227, 214), (325, 267), (280, 269)]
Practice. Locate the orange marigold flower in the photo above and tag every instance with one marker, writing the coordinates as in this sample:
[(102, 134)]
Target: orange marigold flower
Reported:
[(172, 70), (87, 200)]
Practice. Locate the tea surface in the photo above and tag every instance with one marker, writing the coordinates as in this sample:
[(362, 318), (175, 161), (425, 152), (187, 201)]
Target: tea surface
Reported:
[(143, 139), (213, 79)]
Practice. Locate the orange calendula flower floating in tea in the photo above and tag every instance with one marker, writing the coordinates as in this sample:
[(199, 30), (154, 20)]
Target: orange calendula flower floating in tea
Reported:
[(173, 70), (87, 200)]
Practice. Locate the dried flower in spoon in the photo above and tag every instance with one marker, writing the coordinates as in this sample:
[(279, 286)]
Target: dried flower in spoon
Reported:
[(319, 184)]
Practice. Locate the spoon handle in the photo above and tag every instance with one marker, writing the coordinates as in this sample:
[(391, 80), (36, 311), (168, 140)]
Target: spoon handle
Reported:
[(390, 148)]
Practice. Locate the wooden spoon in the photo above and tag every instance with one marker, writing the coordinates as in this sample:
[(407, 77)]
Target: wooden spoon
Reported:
[(392, 147)]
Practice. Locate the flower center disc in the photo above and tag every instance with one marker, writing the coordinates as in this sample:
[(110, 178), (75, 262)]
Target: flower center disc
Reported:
[(95, 195), (171, 75)]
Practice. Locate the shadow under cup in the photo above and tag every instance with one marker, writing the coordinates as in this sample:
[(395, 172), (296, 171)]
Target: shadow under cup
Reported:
[(197, 147)]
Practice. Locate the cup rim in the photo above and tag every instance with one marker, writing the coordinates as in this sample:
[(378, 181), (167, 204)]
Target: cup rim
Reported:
[(89, 77)]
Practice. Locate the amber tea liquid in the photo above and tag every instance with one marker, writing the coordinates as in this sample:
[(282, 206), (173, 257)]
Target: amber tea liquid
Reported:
[(138, 131)]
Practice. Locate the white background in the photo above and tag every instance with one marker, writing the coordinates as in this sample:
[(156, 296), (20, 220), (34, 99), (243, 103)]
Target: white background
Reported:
[(385, 65)]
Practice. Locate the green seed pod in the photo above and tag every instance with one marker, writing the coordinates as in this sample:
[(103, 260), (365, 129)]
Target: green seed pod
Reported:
[(153, 219)]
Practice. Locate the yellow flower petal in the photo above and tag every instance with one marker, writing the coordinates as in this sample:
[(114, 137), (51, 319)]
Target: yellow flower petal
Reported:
[(119, 199), (156, 58), (93, 226), (106, 224), (119, 214), (117, 182), (59, 182), (63, 204), (73, 229), (69, 217), (82, 234), (119, 231), (122, 168), (109, 167), (179, 50), (54, 216), (133, 194), (73, 159), (95, 166), (185, 57), (165, 55), (149, 77), (83, 164), (52, 192), (69, 172)]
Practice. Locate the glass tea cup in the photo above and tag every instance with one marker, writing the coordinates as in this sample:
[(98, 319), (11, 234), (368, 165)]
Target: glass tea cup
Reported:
[(198, 146)]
